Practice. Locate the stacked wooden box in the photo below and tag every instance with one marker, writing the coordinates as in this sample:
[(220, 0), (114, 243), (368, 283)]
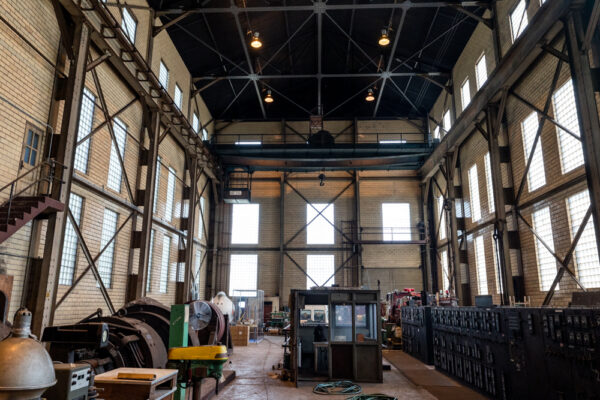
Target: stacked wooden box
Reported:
[(240, 335)]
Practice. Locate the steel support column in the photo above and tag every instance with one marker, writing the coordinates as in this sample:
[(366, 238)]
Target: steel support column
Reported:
[(47, 286), (455, 278), (281, 235), (357, 278), (190, 226)]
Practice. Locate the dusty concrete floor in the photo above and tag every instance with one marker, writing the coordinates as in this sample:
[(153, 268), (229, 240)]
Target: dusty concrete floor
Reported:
[(253, 364)]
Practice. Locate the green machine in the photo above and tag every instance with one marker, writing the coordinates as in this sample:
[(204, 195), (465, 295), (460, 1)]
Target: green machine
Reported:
[(193, 363)]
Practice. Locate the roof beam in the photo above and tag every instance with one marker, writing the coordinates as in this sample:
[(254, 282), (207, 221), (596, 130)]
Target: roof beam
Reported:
[(324, 76)]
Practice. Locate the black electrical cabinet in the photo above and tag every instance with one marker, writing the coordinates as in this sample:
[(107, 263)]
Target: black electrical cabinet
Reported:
[(417, 336), (516, 353)]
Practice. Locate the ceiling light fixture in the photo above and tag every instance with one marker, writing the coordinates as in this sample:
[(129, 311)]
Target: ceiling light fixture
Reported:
[(256, 42), (370, 96), (269, 98), (384, 39)]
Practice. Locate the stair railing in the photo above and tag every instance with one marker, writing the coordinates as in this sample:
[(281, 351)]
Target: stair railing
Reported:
[(51, 178)]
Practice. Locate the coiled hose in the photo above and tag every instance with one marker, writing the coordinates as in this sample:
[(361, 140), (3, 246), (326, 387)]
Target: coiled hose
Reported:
[(339, 387), (374, 396)]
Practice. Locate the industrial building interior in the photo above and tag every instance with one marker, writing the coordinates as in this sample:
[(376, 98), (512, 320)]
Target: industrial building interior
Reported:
[(284, 199)]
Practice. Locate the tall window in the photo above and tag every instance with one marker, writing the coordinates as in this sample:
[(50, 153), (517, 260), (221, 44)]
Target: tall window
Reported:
[(436, 132), (445, 271), (32, 147), (447, 121), (86, 120), (195, 123), (129, 25), (204, 134), (442, 217), (481, 71), (565, 110), (69, 254), (320, 268), (163, 283), (201, 220), (106, 260), (243, 274), (474, 190), (490, 183), (396, 221), (518, 19), (482, 284), (156, 183), (499, 287), (244, 225), (150, 254), (115, 172), (163, 75), (536, 176), (170, 195), (542, 224), (586, 251), (178, 98), (319, 231), (465, 93)]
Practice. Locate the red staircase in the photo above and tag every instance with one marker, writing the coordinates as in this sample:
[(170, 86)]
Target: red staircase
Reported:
[(22, 209)]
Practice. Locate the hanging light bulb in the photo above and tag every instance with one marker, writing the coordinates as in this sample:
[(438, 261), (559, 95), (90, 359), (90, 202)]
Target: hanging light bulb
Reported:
[(269, 98), (384, 39), (370, 96), (256, 42)]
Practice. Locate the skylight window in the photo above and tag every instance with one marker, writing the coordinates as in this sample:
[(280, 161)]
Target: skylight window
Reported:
[(321, 269), (396, 221), (245, 218), (319, 231)]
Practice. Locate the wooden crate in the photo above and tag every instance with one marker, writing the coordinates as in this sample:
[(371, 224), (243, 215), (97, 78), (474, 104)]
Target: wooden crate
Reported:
[(162, 387), (240, 335)]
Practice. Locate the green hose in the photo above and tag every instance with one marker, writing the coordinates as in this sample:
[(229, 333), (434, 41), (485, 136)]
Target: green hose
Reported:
[(374, 396), (339, 387)]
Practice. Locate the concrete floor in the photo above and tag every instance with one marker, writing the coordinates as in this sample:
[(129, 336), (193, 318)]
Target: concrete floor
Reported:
[(255, 378)]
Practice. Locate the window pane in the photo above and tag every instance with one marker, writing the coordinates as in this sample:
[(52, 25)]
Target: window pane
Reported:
[(571, 150), (195, 123), (447, 121), (115, 172), (445, 271), (542, 224), (156, 183), (319, 231), (490, 183), (163, 76), (586, 251), (243, 274), (128, 25), (106, 260), (518, 20), (178, 98), (482, 284), (441, 214), (341, 331), (26, 155), (536, 177), (201, 219), (245, 219), (465, 94), (396, 221), (69, 254), (86, 119), (320, 268), (499, 288), (164, 264), (150, 255), (474, 190), (366, 322), (33, 157), (170, 195), (481, 71)]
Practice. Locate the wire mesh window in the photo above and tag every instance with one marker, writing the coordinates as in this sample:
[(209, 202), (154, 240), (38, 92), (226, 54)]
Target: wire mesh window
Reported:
[(586, 251), (320, 231), (320, 268), (129, 25), (156, 184), (447, 121), (499, 287), (150, 255), (86, 120), (244, 224), (107, 258), (542, 224), (482, 283), (465, 94), (170, 195), (201, 219), (396, 221), (164, 265), (243, 274), (178, 98), (489, 182), (474, 191), (441, 213), (518, 19), (197, 265), (70, 241), (445, 270), (115, 172), (163, 75), (565, 110), (195, 123), (436, 132), (32, 147), (536, 176), (481, 74)]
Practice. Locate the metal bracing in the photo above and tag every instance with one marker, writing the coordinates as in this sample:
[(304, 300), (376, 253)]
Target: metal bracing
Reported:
[(454, 245), (192, 199)]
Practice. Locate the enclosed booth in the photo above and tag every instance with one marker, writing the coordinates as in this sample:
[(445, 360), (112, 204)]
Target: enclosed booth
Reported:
[(249, 311), (335, 334)]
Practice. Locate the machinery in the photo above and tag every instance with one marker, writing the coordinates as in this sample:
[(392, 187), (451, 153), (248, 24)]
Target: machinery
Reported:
[(26, 369), (73, 382)]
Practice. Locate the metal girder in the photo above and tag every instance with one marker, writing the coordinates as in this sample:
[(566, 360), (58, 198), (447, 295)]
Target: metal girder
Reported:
[(282, 180), (188, 277), (455, 273), (405, 5), (103, 123), (300, 268), (517, 60)]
